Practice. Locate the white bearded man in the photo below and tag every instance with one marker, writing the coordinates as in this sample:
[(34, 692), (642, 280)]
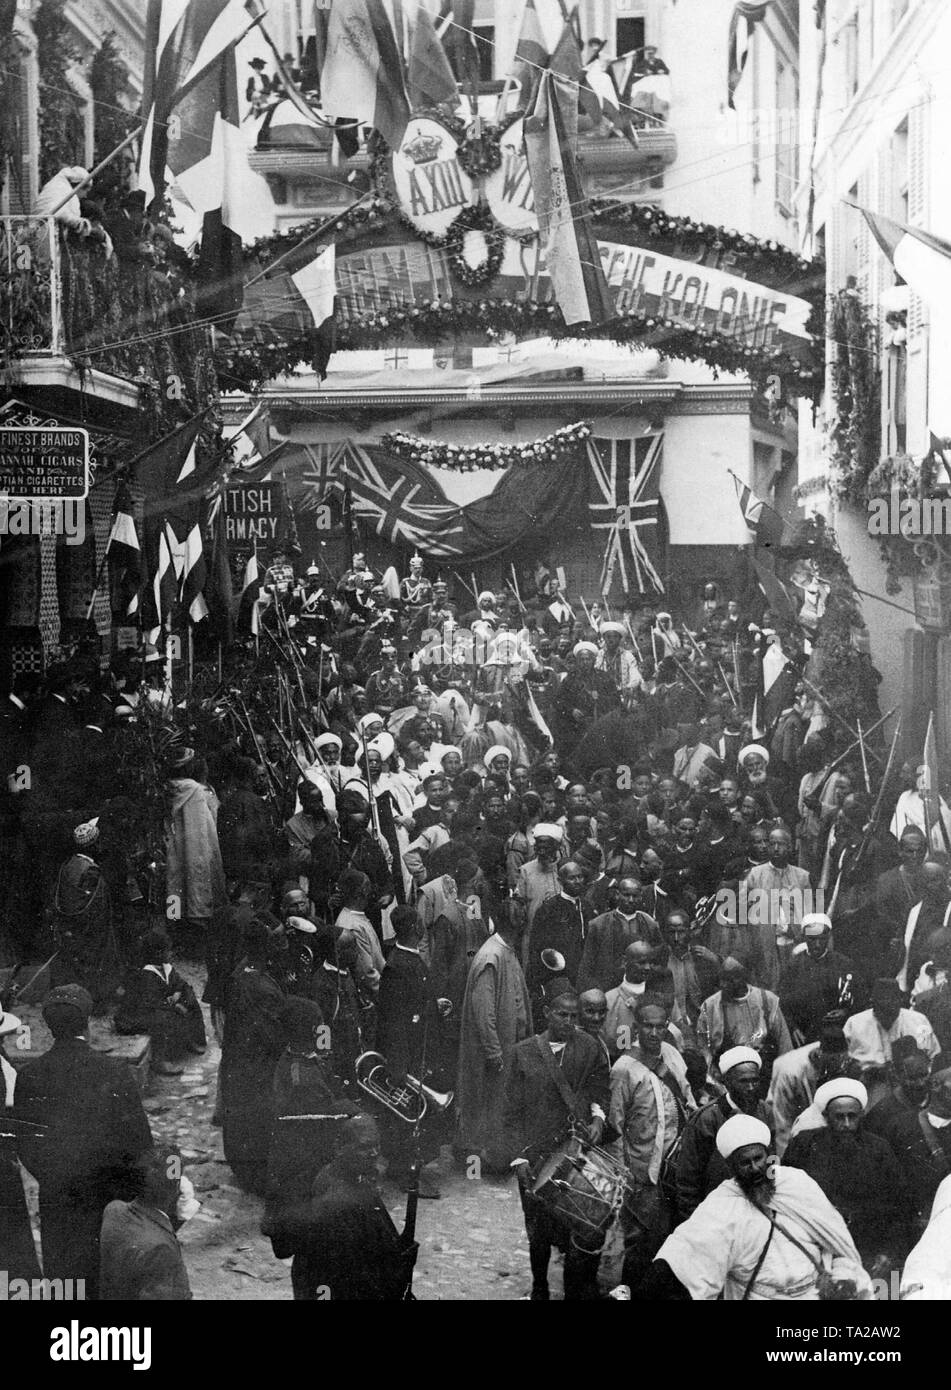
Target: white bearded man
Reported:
[(766, 1233)]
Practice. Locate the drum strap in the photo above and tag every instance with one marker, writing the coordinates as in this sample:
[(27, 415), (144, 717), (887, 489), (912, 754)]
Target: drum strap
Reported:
[(558, 1076)]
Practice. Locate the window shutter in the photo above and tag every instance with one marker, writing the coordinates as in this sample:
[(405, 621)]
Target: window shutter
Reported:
[(863, 244), (918, 124), (23, 183)]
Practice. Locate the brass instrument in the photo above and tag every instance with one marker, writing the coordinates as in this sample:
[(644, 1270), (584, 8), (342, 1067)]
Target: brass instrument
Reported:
[(409, 1101)]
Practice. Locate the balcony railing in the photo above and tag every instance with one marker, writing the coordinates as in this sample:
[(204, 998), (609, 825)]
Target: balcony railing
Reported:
[(30, 288)]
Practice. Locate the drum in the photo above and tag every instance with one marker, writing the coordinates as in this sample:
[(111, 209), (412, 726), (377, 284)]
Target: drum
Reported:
[(584, 1187)]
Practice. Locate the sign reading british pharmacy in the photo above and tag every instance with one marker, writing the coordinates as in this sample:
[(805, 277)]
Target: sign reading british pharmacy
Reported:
[(45, 462)]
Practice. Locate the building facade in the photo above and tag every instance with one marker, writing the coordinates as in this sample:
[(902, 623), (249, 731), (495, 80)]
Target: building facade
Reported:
[(694, 158), (873, 109)]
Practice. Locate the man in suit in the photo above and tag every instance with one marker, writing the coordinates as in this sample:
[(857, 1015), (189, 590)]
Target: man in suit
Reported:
[(95, 1131), (407, 1035), (610, 934), (141, 1259), (556, 1079), (560, 924)]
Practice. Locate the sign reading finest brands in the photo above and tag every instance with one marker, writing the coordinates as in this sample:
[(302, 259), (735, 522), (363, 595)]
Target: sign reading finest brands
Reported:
[(508, 189), (44, 462), (431, 185)]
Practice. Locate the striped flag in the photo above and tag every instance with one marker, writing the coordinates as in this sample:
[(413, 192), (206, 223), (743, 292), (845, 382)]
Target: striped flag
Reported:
[(429, 77), (921, 259), (362, 76), (248, 614), (531, 53), (174, 487), (775, 685), (184, 39), (194, 574), (762, 519), (219, 593), (298, 299), (126, 565), (746, 15), (571, 249)]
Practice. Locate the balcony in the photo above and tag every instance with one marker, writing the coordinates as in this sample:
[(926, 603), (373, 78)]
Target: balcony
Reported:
[(30, 289), (313, 179), (66, 345)]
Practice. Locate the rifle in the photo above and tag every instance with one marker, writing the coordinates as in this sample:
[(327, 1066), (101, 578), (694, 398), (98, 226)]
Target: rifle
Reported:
[(869, 830), (408, 1237), (276, 790), (374, 809)]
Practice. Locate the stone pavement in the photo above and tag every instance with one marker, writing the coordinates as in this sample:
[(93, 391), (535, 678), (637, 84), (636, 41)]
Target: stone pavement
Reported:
[(472, 1240)]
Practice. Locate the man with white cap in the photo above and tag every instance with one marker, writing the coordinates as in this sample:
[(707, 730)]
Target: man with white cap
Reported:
[(766, 1233), (584, 695), (618, 663), (817, 979), (858, 1173), (699, 1167), (538, 879)]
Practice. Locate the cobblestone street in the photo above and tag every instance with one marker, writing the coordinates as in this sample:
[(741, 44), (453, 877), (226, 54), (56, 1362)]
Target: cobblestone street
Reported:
[(472, 1239)]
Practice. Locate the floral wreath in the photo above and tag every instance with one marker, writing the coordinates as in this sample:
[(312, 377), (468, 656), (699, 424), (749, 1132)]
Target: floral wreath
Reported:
[(475, 219)]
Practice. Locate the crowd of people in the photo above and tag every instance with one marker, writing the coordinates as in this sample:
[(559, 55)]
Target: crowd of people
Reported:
[(500, 872)]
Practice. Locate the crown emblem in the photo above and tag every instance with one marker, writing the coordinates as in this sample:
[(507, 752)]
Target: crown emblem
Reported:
[(424, 149)]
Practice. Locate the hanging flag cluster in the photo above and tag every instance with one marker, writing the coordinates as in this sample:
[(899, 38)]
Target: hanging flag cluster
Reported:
[(571, 248)]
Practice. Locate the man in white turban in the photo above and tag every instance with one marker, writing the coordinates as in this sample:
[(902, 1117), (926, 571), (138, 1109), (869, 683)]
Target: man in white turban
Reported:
[(858, 1172), (584, 696), (618, 663), (766, 1233)]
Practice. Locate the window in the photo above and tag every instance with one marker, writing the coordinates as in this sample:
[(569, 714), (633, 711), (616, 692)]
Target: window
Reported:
[(849, 39), (629, 34), (897, 191), (485, 43), (787, 129), (20, 179)]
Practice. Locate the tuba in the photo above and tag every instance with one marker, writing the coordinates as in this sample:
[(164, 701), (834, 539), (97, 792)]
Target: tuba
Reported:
[(409, 1100)]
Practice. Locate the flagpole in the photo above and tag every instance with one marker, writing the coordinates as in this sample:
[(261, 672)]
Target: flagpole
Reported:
[(190, 672), (868, 783), (311, 236)]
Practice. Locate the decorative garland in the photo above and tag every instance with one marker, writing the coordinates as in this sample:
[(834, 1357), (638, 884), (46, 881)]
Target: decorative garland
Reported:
[(655, 224), (855, 433), (480, 155), (432, 321), (477, 219), (461, 458)]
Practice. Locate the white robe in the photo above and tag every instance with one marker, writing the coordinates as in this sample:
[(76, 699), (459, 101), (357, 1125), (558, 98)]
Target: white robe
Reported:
[(717, 1249), (910, 810), (927, 1272)]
